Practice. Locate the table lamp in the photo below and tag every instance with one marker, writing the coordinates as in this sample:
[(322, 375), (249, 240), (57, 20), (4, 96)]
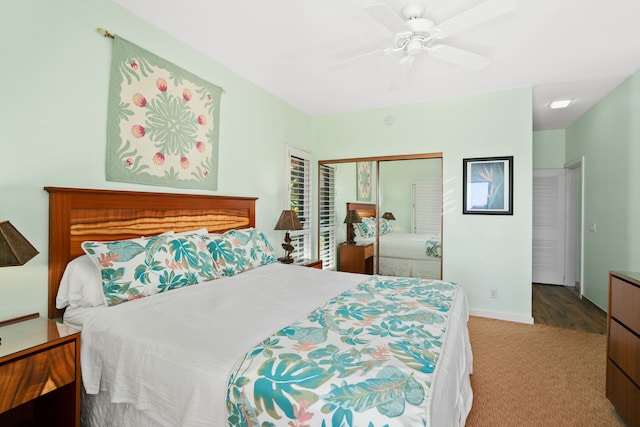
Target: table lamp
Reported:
[(14, 250), (388, 216), (288, 221), (351, 218)]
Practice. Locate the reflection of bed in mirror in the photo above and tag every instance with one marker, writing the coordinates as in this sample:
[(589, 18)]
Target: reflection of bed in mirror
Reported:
[(400, 254)]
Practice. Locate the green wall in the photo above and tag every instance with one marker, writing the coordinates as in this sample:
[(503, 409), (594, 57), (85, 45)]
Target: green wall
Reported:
[(54, 107), (549, 149), (55, 81), (608, 136), (481, 252)]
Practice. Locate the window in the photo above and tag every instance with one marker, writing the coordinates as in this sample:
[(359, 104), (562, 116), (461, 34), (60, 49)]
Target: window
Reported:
[(299, 182), (327, 235)]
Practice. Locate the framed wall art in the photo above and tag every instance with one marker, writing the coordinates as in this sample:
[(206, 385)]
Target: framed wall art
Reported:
[(363, 181), (487, 187)]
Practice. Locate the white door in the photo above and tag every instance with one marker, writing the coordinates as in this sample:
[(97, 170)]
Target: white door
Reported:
[(549, 226)]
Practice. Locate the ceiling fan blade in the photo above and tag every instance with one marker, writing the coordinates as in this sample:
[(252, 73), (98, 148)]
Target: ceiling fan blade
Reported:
[(456, 56), (351, 59), (387, 17), (483, 12), (403, 72)]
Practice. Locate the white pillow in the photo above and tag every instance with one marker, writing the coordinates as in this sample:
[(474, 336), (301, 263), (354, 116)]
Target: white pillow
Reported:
[(81, 285), (200, 232)]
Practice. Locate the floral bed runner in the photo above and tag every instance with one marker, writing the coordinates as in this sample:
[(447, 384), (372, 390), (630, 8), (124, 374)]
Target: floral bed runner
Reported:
[(365, 358), (432, 247)]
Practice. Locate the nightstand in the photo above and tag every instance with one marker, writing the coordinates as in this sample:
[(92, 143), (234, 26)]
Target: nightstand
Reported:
[(39, 373), (313, 263), (356, 258)]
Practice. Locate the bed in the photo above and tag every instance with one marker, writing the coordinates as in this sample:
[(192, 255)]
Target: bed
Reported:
[(273, 344), (400, 254)]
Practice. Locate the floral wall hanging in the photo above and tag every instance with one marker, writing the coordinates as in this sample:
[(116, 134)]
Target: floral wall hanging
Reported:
[(163, 122), (363, 179)]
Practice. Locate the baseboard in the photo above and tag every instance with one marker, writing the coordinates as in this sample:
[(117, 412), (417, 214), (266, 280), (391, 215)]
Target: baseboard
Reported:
[(501, 316), (594, 305)]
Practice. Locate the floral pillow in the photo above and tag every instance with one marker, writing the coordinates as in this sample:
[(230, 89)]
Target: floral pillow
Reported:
[(186, 261), (367, 227), (385, 227), (251, 248), (222, 254), (136, 268), (238, 250)]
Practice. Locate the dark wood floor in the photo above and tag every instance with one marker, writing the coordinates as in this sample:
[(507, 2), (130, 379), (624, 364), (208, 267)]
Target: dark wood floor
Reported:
[(561, 306)]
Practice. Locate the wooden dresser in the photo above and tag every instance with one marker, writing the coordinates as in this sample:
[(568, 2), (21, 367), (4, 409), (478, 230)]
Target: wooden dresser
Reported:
[(39, 374), (623, 345)]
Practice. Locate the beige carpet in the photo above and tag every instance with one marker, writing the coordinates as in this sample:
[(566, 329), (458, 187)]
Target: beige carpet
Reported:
[(537, 375)]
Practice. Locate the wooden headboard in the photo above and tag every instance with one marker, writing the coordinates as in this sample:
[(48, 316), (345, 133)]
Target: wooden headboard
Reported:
[(76, 215), (365, 210)]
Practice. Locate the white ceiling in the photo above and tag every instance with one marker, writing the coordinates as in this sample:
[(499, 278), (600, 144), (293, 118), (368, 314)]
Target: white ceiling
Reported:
[(579, 49)]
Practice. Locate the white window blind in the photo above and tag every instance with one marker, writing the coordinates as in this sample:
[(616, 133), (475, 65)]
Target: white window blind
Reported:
[(299, 182), (427, 211), (327, 235)]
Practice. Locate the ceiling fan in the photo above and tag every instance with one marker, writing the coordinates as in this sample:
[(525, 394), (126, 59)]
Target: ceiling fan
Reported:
[(416, 34)]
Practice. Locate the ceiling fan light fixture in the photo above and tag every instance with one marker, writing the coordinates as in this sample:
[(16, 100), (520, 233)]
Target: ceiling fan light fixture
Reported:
[(559, 103), (421, 25), (412, 10), (414, 47)]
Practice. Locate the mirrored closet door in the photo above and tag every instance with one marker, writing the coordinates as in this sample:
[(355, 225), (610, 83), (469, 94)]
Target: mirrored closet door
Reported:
[(400, 217), (410, 195)]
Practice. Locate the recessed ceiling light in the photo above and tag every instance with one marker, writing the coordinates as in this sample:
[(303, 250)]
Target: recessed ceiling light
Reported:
[(560, 103)]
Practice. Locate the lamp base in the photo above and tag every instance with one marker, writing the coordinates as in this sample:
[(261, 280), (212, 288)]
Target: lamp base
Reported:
[(350, 242), (285, 260)]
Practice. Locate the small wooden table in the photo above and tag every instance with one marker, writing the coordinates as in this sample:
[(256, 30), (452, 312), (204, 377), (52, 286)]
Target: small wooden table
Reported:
[(313, 263), (356, 258), (39, 373)]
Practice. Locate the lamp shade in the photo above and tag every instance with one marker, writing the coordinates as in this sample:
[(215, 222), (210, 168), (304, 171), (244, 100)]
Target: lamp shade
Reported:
[(14, 248), (288, 221), (352, 217), (388, 216)]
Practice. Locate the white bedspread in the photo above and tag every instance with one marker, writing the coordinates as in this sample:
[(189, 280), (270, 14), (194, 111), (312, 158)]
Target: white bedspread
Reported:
[(403, 245), (194, 336), (170, 354)]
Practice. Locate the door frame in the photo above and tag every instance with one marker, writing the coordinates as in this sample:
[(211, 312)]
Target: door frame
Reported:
[(571, 252)]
